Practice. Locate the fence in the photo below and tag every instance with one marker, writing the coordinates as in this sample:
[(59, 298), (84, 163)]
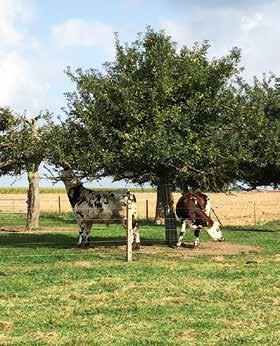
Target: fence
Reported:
[(236, 209)]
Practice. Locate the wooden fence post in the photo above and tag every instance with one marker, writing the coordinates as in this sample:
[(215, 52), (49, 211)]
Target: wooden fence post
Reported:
[(255, 215), (129, 231), (147, 210), (59, 205)]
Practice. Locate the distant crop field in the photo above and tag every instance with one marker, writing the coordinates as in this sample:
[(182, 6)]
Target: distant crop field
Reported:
[(241, 208)]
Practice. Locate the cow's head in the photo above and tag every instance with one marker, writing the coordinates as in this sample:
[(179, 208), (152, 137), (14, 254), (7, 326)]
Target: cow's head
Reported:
[(215, 232)]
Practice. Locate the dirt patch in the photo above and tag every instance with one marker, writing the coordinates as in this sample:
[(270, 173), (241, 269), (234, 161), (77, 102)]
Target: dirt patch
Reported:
[(6, 325), (48, 338), (82, 264), (206, 248), (214, 249)]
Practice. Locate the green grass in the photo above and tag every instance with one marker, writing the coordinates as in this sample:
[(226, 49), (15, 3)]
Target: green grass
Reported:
[(53, 293)]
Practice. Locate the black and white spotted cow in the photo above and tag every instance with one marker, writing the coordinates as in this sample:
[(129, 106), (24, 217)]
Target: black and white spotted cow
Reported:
[(91, 206)]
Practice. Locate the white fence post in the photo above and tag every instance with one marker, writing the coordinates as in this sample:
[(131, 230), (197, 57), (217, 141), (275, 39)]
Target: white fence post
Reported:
[(129, 231)]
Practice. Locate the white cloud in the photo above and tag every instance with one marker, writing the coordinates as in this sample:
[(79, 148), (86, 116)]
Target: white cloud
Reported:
[(24, 68), (81, 33), (12, 13), (13, 74), (255, 30)]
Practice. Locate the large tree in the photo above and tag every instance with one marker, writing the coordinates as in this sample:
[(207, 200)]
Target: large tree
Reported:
[(154, 113), (259, 132), (23, 145)]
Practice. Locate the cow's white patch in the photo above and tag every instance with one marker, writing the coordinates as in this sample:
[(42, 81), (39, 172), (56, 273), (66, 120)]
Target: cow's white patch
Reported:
[(207, 209), (215, 232)]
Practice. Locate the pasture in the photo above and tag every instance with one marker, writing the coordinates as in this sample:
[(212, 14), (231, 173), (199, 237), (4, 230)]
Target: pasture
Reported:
[(53, 293)]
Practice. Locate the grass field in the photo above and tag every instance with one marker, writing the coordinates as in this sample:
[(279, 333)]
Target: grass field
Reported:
[(53, 293)]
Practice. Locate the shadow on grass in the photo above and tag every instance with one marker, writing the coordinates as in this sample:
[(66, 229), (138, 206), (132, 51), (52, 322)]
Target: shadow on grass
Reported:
[(62, 241), (65, 218)]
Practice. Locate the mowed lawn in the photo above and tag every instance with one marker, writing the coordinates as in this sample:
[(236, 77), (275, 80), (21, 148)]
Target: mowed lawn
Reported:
[(53, 293)]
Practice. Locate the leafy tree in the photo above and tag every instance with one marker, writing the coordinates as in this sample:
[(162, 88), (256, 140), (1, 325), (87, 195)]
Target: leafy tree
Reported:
[(259, 132), (22, 149), (154, 113)]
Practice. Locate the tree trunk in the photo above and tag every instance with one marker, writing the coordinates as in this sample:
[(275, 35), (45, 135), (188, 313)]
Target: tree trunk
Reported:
[(33, 195), (169, 212), (33, 200), (159, 216)]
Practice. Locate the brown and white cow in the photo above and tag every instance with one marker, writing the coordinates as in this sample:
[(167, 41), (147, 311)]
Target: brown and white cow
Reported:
[(91, 206), (194, 209)]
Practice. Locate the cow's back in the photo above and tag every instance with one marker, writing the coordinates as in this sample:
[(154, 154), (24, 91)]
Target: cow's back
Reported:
[(95, 206), (185, 207)]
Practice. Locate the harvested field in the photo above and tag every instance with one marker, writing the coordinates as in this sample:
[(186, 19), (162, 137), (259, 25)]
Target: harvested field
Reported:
[(242, 208)]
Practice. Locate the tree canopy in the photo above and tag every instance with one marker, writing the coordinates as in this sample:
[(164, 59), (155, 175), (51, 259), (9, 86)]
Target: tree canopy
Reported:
[(155, 112), (259, 132), (20, 148)]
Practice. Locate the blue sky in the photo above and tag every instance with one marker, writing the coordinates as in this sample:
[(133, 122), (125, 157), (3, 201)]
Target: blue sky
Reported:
[(39, 38)]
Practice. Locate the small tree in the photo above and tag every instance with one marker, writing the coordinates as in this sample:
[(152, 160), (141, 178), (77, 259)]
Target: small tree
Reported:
[(22, 149)]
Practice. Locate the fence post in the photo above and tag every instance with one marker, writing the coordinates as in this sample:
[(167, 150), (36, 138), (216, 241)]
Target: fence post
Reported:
[(255, 216), (147, 210), (59, 205), (129, 231)]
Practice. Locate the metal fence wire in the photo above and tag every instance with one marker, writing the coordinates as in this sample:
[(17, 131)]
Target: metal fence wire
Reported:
[(236, 209)]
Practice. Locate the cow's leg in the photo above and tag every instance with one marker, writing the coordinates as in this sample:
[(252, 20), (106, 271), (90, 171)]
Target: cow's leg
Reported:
[(87, 233), (136, 237), (84, 230), (182, 233), (196, 235), (81, 227)]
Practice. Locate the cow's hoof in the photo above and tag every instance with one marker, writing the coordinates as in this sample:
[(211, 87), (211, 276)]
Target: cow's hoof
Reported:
[(136, 247), (83, 245)]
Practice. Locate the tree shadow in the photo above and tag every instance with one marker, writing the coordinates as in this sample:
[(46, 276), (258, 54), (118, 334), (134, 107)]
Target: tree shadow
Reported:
[(60, 240)]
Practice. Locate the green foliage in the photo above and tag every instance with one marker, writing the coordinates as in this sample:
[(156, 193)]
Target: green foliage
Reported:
[(7, 119), (22, 143), (155, 112), (21, 190), (258, 129)]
